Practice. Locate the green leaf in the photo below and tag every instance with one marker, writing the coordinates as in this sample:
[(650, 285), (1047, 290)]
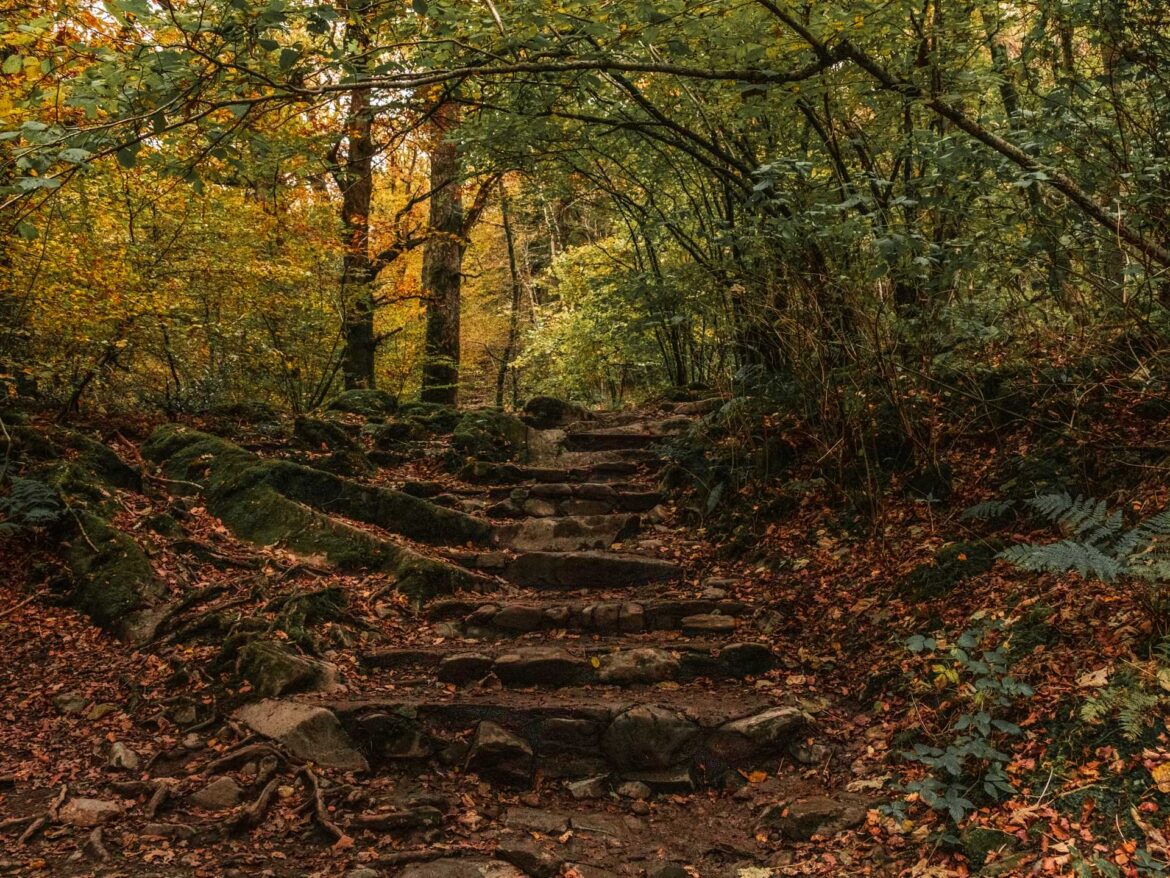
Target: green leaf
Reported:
[(26, 230), (128, 155), (289, 57), (75, 155), (13, 64), (420, 6)]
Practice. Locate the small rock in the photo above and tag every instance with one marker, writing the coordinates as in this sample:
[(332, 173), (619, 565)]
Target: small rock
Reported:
[(713, 594), (632, 618), (633, 789), (819, 815), (89, 812), (764, 732), (536, 820), (496, 754), (710, 623), (220, 794), (590, 788), (193, 742), (519, 617), (465, 667), (540, 508), (462, 867), (648, 737), (363, 872), (640, 808), (70, 702), (539, 666), (100, 711), (122, 757), (311, 733), (643, 665), (667, 870), (744, 659), (532, 800)]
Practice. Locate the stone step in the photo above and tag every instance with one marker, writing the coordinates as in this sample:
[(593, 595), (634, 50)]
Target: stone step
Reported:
[(564, 498), (630, 615), (626, 665), (678, 739), (569, 570), (569, 533), (612, 440), (486, 473)]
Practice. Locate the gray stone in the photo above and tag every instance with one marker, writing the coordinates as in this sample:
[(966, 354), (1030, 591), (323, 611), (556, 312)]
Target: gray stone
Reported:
[(536, 820), (603, 616), (310, 733), (633, 789), (530, 857), (540, 666), (599, 824), (665, 780), (498, 755), (710, 623), (363, 872), (632, 618), (519, 617), (540, 508), (746, 659), (818, 815), (643, 665), (649, 737), (465, 667), (764, 732), (122, 757), (587, 570), (391, 735), (220, 794), (70, 702), (590, 787), (89, 812), (172, 831)]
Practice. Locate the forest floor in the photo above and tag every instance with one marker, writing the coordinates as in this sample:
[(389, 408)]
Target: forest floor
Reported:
[(120, 760)]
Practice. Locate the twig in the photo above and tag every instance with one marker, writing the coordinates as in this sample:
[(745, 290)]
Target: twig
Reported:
[(15, 607)]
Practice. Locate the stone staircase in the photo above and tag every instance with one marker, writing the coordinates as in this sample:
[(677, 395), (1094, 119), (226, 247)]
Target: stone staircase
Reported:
[(597, 709)]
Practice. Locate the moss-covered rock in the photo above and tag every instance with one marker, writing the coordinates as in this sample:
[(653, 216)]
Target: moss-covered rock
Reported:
[(490, 434), (365, 402), (548, 412), (274, 502), (432, 417), (394, 435), (112, 578), (273, 669), (321, 435)]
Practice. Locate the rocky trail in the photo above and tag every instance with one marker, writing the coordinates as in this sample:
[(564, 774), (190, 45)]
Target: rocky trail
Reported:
[(401, 643)]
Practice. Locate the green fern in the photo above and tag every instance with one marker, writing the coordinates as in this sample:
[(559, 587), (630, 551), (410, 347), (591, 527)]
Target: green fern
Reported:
[(28, 505)]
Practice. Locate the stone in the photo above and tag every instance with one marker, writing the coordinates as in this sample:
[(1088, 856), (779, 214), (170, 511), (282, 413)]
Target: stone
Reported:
[(587, 570), (667, 870), (70, 702), (530, 857), (363, 872), (465, 667), (640, 808), (536, 820), (390, 735), (590, 787), (122, 757), (643, 665), (498, 755), (309, 733), (220, 794), (665, 780), (709, 623), (548, 412), (171, 831), (560, 734), (489, 434), (818, 815), (519, 617), (746, 659), (84, 812), (365, 402), (633, 789), (764, 732), (604, 616), (539, 508), (461, 867), (540, 666), (649, 737), (713, 594), (632, 618), (274, 670), (599, 824), (585, 507)]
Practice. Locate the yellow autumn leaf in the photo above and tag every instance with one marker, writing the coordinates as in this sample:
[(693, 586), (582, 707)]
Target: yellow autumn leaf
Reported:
[(1161, 775)]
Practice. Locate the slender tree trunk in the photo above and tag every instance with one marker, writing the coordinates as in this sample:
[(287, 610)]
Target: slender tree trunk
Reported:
[(514, 312), (356, 179), (442, 272)]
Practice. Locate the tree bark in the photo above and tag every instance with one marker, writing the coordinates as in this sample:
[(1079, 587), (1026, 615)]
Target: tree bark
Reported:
[(514, 311), (442, 272)]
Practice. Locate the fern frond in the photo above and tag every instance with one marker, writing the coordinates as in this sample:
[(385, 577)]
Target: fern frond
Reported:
[(1078, 517), (1060, 557), (1144, 534), (988, 510)]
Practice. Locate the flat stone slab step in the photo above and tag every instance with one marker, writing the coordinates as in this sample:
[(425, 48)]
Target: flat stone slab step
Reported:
[(569, 533), (507, 737), (628, 616), (556, 570), (611, 440), (598, 665), (485, 473), (566, 498)]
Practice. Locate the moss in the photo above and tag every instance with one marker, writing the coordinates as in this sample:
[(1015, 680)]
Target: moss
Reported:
[(319, 434), (430, 416), (364, 402), (273, 502), (394, 434), (274, 670), (111, 576), (490, 434)]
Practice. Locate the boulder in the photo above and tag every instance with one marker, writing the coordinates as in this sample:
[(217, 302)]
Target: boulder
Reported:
[(649, 737), (818, 815), (465, 667), (321, 435), (219, 795), (84, 812), (746, 659), (766, 732), (530, 857), (498, 755), (548, 412), (310, 733), (122, 757), (490, 434), (273, 669), (365, 402), (519, 617), (643, 665)]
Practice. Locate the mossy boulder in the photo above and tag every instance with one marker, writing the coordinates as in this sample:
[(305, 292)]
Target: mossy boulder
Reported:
[(394, 435), (365, 402), (245, 411), (490, 434), (430, 416), (321, 435), (548, 412), (112, 578), (274, 502), (273, 669)]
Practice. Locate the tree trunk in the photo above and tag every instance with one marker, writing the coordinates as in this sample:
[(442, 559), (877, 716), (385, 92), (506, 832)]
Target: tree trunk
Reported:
[(514, 312), (442, 272)]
